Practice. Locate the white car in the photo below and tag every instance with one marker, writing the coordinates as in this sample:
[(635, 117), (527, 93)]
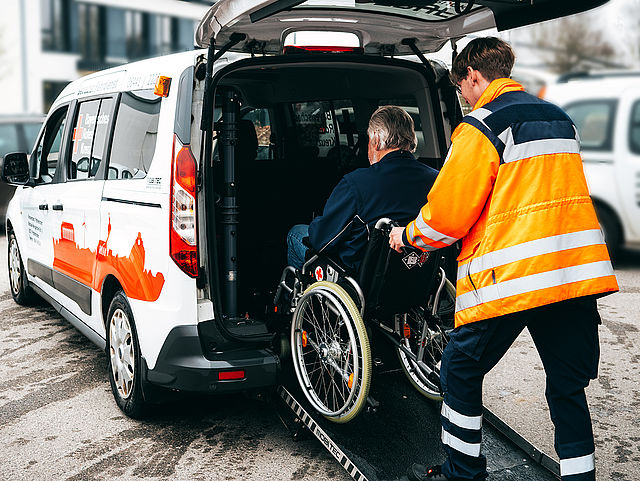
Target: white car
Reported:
[(606, 110), (153, 210)]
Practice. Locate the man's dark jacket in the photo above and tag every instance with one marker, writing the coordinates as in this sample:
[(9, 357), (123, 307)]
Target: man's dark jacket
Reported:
[(395, 187)]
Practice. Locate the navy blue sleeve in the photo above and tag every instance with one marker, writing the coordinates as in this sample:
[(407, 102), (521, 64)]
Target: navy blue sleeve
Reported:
[(339, 210)]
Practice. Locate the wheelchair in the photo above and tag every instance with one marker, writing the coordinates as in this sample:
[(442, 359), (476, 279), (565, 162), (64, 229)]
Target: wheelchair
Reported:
[(407, 298)]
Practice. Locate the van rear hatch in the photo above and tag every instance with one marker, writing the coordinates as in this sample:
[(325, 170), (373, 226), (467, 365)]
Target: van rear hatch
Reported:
[(378, 23)]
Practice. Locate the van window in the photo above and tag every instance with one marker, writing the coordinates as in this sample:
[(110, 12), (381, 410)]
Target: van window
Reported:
[(317, 122), (262, 125), (48, 149), (89, 138), (135, 135), (594, 120), (634, 128)]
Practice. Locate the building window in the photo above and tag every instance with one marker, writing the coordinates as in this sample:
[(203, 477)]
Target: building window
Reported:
[(136, 26), (54, 25), (116, 45), (91, 28), (183, 34), (51, 90), (160, 40)]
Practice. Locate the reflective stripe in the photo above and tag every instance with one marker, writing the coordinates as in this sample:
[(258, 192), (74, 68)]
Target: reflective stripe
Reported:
[(533, 282), (460, 420), (480, 114), (470, 449), (513, 152), (580, 465), (417, 241), (533, 248), (431, 233)]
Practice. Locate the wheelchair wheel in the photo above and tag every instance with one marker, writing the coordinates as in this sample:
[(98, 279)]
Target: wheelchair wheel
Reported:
[(411, 326), (331, 352)]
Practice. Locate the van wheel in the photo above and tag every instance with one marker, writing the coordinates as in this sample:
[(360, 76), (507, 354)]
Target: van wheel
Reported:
[(610, 229), (123, 350), (20, 290)]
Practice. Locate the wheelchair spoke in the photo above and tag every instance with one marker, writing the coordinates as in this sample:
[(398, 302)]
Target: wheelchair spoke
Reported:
[(328, 354), (426, 339)]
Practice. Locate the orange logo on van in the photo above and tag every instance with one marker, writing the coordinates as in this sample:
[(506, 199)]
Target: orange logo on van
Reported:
[(91, 267)]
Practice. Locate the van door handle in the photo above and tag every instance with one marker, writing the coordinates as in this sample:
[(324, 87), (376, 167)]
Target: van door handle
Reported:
[(57, 207), (43, 207)]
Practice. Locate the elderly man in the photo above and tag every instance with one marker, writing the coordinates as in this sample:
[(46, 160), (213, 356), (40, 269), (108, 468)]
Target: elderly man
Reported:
[(395, 186)]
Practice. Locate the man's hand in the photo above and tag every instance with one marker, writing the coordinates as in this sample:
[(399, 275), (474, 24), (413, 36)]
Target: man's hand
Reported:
[(395, 238)]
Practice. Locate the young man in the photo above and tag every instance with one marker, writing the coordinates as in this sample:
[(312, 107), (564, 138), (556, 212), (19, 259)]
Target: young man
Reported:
[(365, 195), (533, 255)]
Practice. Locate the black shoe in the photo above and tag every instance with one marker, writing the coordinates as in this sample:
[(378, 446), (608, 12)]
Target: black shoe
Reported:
[(417, 472)]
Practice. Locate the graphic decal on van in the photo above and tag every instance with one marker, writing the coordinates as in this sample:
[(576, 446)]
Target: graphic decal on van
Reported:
[(91, 267)]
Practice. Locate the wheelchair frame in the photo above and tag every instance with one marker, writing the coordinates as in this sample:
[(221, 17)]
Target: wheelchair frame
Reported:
[(342, 355)]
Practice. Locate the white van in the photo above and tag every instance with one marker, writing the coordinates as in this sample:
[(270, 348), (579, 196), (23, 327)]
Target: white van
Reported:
[(153, 210), (606, 110)]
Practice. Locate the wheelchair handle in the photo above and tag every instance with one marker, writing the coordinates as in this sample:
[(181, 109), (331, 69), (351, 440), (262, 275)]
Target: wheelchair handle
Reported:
[(386, 224)]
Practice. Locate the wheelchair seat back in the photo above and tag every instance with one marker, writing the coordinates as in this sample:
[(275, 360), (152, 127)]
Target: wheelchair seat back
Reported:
[(394, 283)]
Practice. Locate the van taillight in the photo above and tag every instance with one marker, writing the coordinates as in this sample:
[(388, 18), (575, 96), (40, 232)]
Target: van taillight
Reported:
[(182, 242)]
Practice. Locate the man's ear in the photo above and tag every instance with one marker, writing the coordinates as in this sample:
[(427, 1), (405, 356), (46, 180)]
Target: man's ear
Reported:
[(472, 74), (375, 141)]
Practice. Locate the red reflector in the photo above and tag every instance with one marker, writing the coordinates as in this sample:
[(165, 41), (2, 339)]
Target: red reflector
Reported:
[(230, 375)]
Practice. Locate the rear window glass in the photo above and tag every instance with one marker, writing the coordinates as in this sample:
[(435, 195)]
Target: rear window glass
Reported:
[(135, 135), (317, 123), (594, 120)]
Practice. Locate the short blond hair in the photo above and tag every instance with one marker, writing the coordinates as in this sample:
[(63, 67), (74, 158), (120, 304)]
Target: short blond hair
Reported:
[(394, 128)]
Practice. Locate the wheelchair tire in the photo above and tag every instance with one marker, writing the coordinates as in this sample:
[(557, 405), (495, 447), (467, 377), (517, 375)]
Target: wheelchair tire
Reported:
[(426, 383), (331, 352)]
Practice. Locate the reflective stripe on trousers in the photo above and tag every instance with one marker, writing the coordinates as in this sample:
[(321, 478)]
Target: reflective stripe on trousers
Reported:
[(467, 424), (579, 465)]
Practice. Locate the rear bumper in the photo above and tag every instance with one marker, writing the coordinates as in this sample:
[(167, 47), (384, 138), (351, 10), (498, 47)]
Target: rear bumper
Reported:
[(181, 365)]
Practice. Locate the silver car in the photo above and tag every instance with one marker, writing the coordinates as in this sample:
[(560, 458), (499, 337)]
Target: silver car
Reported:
[(17, 134)]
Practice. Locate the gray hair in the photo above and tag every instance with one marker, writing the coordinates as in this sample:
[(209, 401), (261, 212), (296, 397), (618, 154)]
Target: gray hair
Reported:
[(394, 128)]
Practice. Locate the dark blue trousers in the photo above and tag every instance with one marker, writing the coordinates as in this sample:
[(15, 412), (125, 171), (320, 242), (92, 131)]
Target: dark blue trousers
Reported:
[(566, 337)]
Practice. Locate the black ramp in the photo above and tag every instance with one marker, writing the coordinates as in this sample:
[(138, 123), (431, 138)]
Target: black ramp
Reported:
[(403, 429)]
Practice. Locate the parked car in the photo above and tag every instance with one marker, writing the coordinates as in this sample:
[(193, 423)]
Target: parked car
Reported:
[(129, 222), (605, 107), (17, 134)]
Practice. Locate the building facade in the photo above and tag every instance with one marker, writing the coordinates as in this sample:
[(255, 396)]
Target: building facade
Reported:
[(44, 44)]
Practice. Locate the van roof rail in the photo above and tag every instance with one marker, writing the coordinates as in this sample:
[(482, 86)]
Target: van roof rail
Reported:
[(598, 75)]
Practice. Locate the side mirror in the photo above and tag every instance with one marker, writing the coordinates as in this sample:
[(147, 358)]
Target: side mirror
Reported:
[(14, 168)]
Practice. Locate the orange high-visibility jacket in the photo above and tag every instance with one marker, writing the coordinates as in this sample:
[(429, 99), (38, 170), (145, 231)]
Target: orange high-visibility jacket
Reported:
[(513, 189)]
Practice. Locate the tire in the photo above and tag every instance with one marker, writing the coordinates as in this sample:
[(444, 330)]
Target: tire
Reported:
[(610, 229), (123, 351), (426, 382), (18, 283), (327, 330)]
